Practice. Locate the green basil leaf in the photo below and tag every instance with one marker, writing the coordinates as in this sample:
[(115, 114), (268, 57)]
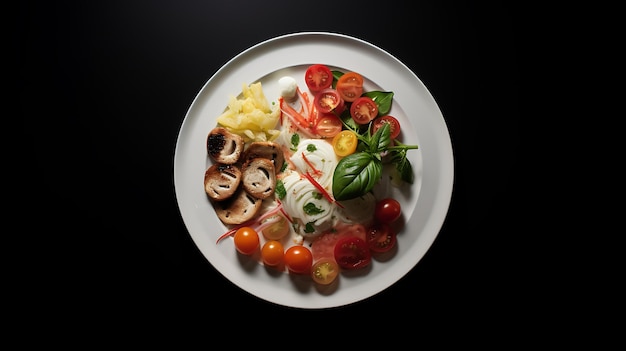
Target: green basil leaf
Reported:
[(383, 99), (381, 139), (336, 76), (355, 175)]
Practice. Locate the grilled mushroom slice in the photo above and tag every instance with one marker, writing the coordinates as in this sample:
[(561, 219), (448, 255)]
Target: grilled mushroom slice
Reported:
[(238, 208), (224, 146), (259, 177), (221, 181), (265, 149)]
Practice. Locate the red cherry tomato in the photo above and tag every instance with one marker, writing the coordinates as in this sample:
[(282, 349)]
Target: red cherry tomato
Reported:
[(380, 237), (318, 77), (363, 110), (387, 210), (298, 259), (328, 100), (246, 240), (328, 125), (350, 86), (394, 125), (352, 253)]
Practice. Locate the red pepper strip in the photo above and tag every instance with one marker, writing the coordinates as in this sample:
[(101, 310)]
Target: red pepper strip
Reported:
[(308, 109), (301, 120), (282, 210), (315, 171), (321, 189), (296, 119)]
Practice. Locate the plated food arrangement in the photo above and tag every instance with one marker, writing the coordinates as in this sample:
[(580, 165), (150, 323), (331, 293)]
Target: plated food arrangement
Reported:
[(339, 185), (295, 181)]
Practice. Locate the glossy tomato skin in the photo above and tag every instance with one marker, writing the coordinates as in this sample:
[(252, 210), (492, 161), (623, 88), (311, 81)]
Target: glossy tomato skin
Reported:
[(272, 253), (394, 125), (350, 86), (387, 210), (325, 271), (246, 240), (298, 259), (352, 253), (329, 100), (381, 237), (345, 143), (328, 125), (363, 110)]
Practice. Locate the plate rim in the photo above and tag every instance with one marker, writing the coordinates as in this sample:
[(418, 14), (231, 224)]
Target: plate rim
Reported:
[(446, 182)]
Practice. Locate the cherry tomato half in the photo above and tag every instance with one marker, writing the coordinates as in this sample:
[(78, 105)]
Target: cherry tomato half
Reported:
[(394, 125), (381, 237), (318, 77), (328, 100), (363, 110), (387, 210), (350, 86), (352, 253), (246, 240), (278, 229), (328, 125), (325, 271), (298, 259), (344, 143), (272, 253)]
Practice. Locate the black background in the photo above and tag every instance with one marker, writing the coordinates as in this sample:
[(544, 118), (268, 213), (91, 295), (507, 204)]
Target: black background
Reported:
[(105, 87)]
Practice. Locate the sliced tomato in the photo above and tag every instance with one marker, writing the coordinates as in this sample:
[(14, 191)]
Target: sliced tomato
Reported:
[(318, 77), (325, 271), (350, 86), (352, 253), (328, 100), (363, 110), (394, 125), (324, 246), (381, 237), (328, 125)]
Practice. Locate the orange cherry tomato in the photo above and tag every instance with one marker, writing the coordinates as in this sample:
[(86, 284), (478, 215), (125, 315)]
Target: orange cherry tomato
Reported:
[(272, 253), (276, 230), (298, 259), (246, 240), (325, 271), (350, 86)]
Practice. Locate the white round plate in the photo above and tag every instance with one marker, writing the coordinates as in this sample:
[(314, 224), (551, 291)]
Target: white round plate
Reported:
[(425, 203)]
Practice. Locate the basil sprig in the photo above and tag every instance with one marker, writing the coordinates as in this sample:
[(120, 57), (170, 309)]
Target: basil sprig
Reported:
[(358, 173)]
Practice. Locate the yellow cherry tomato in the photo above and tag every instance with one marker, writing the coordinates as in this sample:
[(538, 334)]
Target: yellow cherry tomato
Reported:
[(345, 142), (325, 271), (246, 240), (276, 230)]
